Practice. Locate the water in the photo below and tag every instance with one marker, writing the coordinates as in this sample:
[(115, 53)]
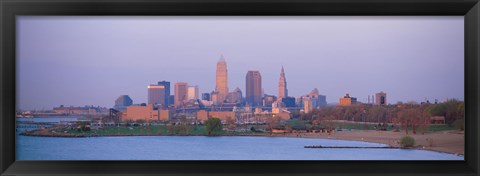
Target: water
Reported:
[(206, 148), (49, 119)]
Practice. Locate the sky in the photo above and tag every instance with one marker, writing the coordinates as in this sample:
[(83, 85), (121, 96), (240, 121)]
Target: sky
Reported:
[(92, 60)]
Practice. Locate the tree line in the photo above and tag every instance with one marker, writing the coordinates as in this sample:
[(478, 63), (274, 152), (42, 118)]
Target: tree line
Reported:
[(407, 116)]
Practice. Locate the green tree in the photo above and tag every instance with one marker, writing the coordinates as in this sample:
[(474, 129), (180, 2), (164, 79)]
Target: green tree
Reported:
[(213, 126), (407, 141)]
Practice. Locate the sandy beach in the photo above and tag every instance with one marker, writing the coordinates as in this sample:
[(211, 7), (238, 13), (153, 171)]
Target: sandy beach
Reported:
[(445, 141)]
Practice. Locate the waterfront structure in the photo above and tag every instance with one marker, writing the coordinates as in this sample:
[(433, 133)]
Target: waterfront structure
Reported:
[(381, 98), (157, 95), (347, 100), (122, 102), (147, 113), (192, 93), (221, 85), (254, 88), (206, 96), (235, 96), (282, 85), (180, 93)]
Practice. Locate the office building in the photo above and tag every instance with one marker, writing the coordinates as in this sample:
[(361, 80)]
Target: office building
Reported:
[(381, 98), (282, 85), (148, 113), (253, 88), (268, 100), (206, 96), (122, 102), (288, 101), (347, 100), (221, 85), (166, 84), (307, 105), (157, 95), (181, 89), (235, 96), (192, 92), (317, 99)]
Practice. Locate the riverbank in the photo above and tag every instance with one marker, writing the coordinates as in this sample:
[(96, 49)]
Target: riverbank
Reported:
[(452, 142)]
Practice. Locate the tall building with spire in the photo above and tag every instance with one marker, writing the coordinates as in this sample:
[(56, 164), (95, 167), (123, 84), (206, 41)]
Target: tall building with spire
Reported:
[(282, 85), (221, 85)]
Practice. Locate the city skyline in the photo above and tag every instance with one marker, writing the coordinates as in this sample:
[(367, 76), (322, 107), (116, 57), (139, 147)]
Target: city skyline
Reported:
[(406, 73)]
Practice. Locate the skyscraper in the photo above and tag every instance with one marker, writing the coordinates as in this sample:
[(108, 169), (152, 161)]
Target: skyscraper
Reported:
[(221, 85), (254, 88), (167, 92), (156, 94), (192, 92), (282, 85), (181, 89)]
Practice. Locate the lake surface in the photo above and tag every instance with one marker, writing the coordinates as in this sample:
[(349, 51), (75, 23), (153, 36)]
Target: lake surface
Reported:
[(208, 148)]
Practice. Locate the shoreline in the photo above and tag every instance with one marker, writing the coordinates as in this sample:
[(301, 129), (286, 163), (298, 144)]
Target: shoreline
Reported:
[(450, 142)]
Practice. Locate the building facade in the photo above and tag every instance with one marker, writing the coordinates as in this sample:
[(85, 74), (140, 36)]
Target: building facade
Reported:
[(235, 96), (317, 99), (180, 94), (122, 102), (347, 100), (221, 85), (206, 96), (288, 101), (381, 98), (166, 84), (203, 115), (268, 100), (192, 92), (157, 95), (307, 106), (282, 85), (254, 88), (147, 113)]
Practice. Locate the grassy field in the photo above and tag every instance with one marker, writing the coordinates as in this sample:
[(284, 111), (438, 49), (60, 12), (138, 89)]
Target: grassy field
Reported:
[(199, 130), (360, 126), (160, 130)]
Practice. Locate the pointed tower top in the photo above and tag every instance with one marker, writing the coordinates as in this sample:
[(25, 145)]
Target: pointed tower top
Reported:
[(222, 59)]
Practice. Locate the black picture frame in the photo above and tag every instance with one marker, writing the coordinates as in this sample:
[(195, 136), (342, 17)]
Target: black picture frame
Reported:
[(470, 9)]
